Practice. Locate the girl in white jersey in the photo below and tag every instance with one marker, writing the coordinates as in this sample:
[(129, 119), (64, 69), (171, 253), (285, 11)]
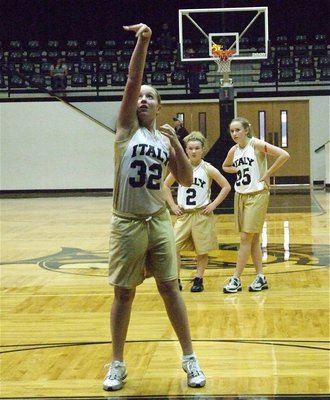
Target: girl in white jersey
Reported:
[(194, 228), (248, 160), (142, 239)]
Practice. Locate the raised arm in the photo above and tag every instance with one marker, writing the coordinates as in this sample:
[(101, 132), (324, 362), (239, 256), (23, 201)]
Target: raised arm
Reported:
[(127, 118)]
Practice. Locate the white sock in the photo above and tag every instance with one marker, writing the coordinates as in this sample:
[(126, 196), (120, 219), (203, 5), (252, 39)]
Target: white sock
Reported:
[(187, 357)]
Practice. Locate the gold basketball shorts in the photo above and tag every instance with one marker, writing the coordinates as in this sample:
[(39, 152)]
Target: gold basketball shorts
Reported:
[(140, 248), (250, 211), (195, 231)]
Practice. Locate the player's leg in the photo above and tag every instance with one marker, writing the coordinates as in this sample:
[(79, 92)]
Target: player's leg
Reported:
[(244, 252), (177, 313), (205, 239), (178, 260), (260, 282), (202, 261), (119, 321), (125, 273), (256, 253)]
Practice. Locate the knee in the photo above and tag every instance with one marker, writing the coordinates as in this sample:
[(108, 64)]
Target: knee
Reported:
[(246, 238), (124, 296), (168, 288)]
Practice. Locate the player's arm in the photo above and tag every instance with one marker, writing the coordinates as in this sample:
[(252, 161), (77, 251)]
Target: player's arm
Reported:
[(223, 184), (227, 165), (127, 118), (168, 194), (179, 164), (281, 157)]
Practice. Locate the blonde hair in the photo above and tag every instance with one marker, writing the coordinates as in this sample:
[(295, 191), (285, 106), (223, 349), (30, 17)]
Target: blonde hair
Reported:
[(246, 125), (196, 135)]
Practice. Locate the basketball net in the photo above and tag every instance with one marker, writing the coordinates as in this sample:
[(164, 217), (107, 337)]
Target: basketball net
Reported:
[(223, 60)]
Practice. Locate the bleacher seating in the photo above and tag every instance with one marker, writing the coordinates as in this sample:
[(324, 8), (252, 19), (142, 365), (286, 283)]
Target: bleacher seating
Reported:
[(78, 80), (163, 66), (2, 82), (99, 79), (325, 74), (158, 78), (109, 55), (287, 74), (269, 63), (202, 77), (65, 83), (53, 45), (118, 79), (16, 56), (38, 80), (91, 55), (178, 78), (323, 61), (267, 75), (15, 45), (27, 68), (53, 55), (305, 61), (302, 59), (45, 67), (91, 44), (300, 50), (86, 67), (35, 56), (17, 82), (148, 67), (106, 67), (319, 49), (126, 53), (287, 62), (110, 44), (122, 66), (307, 74)]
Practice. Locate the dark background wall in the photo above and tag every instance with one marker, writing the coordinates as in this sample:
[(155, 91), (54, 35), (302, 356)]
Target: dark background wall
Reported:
[(103, 19)]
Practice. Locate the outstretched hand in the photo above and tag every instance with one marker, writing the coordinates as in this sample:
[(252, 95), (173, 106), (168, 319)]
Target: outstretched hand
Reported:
[(139, 29)]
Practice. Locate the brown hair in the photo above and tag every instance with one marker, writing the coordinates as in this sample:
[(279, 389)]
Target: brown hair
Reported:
[(246, 125)]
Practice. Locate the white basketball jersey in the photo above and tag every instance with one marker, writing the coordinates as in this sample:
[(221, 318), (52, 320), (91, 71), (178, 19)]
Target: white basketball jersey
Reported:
[(251, 167), (140, 169), (198, 194)]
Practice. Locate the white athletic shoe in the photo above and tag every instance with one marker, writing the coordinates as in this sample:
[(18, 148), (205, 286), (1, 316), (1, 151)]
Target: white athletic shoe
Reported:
[(233, 286), (195, 376), (260, 283), (115, 376)]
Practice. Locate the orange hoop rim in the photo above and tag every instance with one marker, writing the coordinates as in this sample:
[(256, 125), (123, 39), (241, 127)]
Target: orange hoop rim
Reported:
[(222, 54)]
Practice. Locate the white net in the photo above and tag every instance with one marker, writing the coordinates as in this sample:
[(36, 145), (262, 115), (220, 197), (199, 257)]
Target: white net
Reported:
[(223, 65)]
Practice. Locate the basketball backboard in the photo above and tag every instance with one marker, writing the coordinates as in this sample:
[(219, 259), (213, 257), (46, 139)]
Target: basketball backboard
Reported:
[(241, 29)]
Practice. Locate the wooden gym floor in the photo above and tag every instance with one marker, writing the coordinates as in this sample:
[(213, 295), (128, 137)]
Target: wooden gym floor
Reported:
[(55, 304)]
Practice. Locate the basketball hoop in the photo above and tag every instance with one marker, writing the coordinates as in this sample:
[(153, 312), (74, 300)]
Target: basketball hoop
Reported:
[(222, 58)]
